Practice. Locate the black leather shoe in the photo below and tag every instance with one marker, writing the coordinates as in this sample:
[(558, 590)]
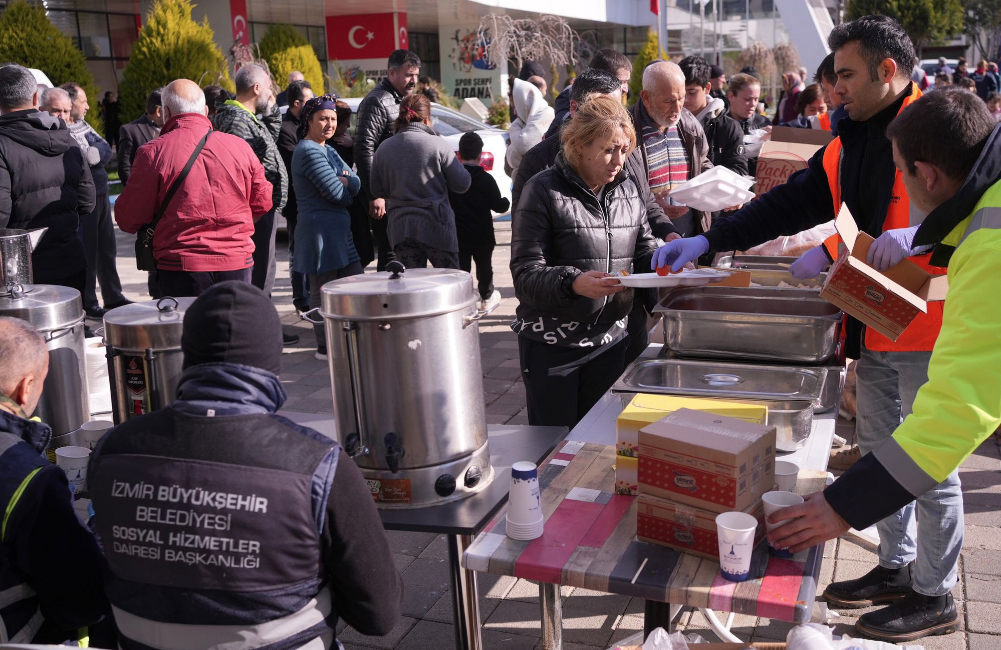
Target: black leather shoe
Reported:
[(878, 586), (117, 305), (911, 618), (96, 311), (289, 339)]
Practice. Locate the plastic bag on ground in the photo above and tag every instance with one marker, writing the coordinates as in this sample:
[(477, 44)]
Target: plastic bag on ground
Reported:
[(659, 639)]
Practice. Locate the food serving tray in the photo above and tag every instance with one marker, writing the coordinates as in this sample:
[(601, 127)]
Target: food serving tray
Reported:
[(789, 392), (761, 262), (684, 278), (791, 326)]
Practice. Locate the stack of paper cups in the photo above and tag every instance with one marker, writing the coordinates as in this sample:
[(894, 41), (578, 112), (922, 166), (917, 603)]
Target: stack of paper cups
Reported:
[(93, 432), (773, 502), (73, 461), (736, 544), (524, 505), (98, 384), (786, 474)]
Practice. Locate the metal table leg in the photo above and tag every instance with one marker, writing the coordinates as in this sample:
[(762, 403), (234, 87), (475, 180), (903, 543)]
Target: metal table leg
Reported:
[(465, 600), (552, 616), (657, 614)]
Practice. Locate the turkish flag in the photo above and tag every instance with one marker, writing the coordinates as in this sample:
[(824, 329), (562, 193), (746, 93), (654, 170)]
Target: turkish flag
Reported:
[(655, 7), (363, 36), (401, 31)]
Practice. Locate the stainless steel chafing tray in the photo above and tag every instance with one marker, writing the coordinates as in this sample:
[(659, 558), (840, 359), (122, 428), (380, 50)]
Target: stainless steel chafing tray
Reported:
[(760, 262), (793, 326), (788, 392), (771, 279)]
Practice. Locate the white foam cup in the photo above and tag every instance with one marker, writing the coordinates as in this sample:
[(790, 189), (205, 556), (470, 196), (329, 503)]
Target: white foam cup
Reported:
[(785, 475), (94, 431), (73, 461), (736, 544), (773, 502), (525, 501)]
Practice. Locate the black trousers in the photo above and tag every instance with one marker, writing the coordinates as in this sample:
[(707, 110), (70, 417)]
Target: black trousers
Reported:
[(416, 255), (483, 256), (300, 286), (265, 264), (639, 335), (562, 396), (102, 256), (380, 233), (74, 280), (191, 284)]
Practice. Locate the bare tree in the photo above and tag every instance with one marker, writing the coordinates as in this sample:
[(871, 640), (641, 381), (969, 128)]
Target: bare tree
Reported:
[(786, 58), (546, 38)]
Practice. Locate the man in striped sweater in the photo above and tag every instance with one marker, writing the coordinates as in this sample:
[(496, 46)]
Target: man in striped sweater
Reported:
[(674, 146)]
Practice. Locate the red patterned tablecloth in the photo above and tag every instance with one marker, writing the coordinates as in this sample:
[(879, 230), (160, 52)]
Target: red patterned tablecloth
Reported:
[(590, 542)]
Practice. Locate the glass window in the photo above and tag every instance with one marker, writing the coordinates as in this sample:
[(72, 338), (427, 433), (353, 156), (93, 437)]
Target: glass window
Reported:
[(318, 39), (124, 32), (94, 39), (66, 22)]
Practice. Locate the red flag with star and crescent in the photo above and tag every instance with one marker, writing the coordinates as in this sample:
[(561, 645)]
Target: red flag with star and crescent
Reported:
[(363, 36)]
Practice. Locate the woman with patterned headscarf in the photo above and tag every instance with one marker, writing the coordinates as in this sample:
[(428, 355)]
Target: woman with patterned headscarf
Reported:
[(324, 187)]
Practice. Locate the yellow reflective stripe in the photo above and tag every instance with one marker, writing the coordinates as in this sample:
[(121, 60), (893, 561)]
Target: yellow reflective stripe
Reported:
[(13, 501), (83, 637)]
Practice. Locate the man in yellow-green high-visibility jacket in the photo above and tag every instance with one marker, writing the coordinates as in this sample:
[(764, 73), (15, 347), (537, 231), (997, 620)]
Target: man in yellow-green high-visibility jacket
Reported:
[(948, 147)]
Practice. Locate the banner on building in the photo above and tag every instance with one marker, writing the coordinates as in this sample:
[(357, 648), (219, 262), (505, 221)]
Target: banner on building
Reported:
[(360, 44), (238, 14), (466, 70)]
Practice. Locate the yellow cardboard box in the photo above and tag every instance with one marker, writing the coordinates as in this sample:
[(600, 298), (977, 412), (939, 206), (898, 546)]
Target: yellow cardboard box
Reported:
[(646, 409)]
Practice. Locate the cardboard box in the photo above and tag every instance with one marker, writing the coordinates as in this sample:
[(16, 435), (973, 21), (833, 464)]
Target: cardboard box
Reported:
[(786, 152), (685, 528), (886, 302), (646, 409), (625, 476), (705, 460)]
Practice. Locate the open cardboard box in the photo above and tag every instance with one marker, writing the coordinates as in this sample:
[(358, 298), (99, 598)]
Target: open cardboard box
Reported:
[(786, 152), (886, 302)]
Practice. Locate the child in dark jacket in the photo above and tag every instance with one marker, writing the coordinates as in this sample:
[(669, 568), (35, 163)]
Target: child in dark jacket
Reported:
[(474, 223)]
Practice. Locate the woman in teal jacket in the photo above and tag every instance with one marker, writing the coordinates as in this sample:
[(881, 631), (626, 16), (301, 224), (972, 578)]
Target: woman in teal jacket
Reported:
[(324, 188)]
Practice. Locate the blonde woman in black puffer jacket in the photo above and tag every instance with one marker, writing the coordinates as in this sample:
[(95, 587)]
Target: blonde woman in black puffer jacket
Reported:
[(578, 225)]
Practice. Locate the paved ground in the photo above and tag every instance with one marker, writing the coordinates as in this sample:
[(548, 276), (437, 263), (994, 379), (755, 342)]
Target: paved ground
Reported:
[(593, 621)]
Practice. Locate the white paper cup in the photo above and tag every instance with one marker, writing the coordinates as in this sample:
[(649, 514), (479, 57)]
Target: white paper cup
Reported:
[(94, 431), (73, 461), (525, 500), (785, 475), (773, 502), (736, 544)]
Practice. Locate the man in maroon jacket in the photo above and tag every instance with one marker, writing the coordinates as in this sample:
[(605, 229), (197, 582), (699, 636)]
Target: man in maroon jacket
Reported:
[(204, 236)]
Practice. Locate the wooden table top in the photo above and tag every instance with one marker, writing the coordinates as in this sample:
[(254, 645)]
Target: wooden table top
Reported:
[(590, 542)]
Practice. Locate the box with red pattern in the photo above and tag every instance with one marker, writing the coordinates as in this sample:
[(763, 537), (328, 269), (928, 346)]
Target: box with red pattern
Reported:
[(685, 528), (708, 461), (887, 301)]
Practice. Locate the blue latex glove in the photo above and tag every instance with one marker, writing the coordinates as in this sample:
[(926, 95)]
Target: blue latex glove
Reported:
[(679, 252), (810, 264), (890, 248)]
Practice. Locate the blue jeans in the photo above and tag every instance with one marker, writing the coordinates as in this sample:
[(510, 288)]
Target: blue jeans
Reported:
[(929, 531)]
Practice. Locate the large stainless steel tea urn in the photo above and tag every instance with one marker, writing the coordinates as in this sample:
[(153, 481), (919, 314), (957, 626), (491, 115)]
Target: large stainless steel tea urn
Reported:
[(404, 358), (57, 313), (143, 342)]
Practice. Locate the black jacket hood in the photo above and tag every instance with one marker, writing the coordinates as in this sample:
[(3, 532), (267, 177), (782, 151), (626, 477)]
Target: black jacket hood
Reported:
[(943, 220), (37, 130)]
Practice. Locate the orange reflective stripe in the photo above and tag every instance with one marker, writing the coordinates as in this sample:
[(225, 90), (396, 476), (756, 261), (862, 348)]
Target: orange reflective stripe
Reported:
[(825, 121), (920, 335)]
